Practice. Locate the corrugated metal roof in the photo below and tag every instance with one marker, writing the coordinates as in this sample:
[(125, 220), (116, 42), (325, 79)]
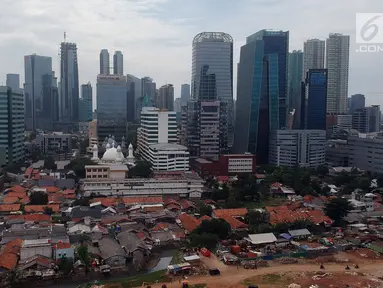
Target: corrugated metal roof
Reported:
[(262, 238)]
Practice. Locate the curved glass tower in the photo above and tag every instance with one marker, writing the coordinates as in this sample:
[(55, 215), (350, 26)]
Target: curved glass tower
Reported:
[(212, 71)]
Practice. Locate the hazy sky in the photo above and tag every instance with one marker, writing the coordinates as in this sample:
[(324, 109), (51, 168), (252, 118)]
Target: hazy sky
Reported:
[(155, 36)]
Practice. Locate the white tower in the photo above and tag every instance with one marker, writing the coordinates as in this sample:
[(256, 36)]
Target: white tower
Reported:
[(95, 153), (130, 157)]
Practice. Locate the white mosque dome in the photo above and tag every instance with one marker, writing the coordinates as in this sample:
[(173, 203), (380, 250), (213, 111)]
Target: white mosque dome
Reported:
[(113, 154)]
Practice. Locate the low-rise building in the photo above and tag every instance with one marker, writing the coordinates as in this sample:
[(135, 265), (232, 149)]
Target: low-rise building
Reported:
[(337, 153), (54, 142), (35, 247), (63, 250), (168, 157)]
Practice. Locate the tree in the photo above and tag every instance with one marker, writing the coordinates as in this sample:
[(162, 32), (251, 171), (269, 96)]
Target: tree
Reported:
[(49, 163), (207, 240), (65, 265), (322, 170), (379, 181), (218, 227), (83, 255), (81, 202), (38, 198), (337, 209), (205, 209), (255, 218), (142, 169), (364, 183), (11, 279), (78, 166), (48, 210)]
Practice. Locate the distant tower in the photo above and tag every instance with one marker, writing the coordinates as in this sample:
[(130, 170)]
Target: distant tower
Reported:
[(130, 157), (118, 63), (104, 62), (95, 153)]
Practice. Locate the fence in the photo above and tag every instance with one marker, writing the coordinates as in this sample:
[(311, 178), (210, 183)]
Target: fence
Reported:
[(301, 254)]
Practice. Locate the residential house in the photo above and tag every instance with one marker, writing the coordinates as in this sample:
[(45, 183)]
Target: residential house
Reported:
[(37, 265), (31, 248), (111, 252), (10, 255), (6, 209), (235, 224), (299, 233), (277, 189), (188, 222), (135, 248), (41, 208), (237, 212), (63, 250), (94, 212), (188, 206)]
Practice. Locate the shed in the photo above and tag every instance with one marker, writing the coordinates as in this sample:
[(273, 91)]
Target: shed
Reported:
[(299, 233), (192, 259), (263, 238)]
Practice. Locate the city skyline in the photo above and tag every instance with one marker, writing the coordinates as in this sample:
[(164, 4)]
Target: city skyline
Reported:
[(172, 38)]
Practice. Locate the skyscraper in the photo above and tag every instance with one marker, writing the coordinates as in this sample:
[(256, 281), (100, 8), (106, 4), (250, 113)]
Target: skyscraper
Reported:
[(212, 71), (337, 62), (148, 90), (133, 84), (13, 81), (69, 83), (111, 106), (315, 99), (104, 62), (313, 55), (357, 101), (295, 83), (185, 94), (261, 92), (85, 104), (366, 120), (12, 128), (165, 98), (38, 92), (118, 63)]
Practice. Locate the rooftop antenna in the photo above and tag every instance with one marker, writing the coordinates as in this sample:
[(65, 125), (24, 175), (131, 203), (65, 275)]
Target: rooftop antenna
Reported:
[(64, 37)]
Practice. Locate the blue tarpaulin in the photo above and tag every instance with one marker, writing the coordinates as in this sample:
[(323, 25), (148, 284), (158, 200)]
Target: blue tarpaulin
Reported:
[(286, 236)]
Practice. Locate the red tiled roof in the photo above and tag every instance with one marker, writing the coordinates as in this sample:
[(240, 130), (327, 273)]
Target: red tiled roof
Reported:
[(62, 246), (153, 208), (231, 212), (9, 207), (234, 223), (180, 235), (40, 208), (188, 222), (18, 189), (141, 235), (16, 194), (13, 246), (205, 217), (37, 218), (173, 207), (169, 201), (52, 189), (186, 204), (280, 214), (160, 226), (69, 191), (223, 178), (276, 184), (8, 261), (107, 202), (209, 201)]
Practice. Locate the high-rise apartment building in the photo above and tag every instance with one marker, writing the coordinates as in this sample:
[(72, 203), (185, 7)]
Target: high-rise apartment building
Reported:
[(133, 84), (185, 94), (165, 98), (111, 106), (69, 83), (366, 120), (304, 148), (313, 55), (104, 62), (156, 126), (118, 63), (337, 64), (261, 92), (295, 84), (212, 72), (85, 104), (38, 92), (315, 99), (55, 99), (12, 125), (13, 81), (357, 101)]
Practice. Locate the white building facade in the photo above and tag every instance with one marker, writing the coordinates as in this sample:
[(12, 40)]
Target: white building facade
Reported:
[(313, 55), (169, 157), (157, 126), (305, 148)]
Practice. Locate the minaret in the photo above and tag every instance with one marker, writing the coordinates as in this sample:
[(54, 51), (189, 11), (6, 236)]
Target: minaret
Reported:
[(130, 157), (123, 145), (95, 153)]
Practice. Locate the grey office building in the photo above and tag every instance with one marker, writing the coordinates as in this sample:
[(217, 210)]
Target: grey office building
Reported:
[(366, 152), (38, 92), (104, 62), (148, 90), (111, 106), (261, 92), (69, 83), (12, 128), (165, 98), (304, 148), (13, 81), (366, 120), (212, 71), (313, 55), (118, 63), (134, 102), (185, 94), (295, 85), (357, 101), (85, 103)]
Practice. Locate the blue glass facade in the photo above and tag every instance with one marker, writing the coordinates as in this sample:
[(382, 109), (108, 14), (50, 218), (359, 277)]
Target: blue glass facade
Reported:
[(316, 99)]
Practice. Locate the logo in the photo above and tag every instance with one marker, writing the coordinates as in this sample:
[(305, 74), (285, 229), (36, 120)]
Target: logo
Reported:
[(369, 32)]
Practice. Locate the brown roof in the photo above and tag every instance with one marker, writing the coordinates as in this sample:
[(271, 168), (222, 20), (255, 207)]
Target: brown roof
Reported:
[(280, 214), (52, 189), (188, 222), (234, 223), (9, 207), (40, 208), (205, 217), (8, 261), (142, 200), (13, 246), (231, 212), (18, 189), (62, 245), (153, 209), (32, 217)]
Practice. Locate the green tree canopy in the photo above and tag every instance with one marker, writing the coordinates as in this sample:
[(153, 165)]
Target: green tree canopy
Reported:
[(218, 227), (142, 169), (205, 209), (78, 166), (337, 209), (38, 198), (322, 170), (207, 240), (49, 163), (48, 210)]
